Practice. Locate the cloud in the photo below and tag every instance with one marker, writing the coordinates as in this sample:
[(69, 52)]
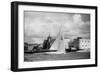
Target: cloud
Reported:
[(41, 24)]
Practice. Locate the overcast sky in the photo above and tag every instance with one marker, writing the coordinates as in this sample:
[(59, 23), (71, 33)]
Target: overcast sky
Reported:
[(41, 24)]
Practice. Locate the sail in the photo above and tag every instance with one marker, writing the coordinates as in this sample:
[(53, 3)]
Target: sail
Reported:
[(61, 47), (55, 44), (58, 44)]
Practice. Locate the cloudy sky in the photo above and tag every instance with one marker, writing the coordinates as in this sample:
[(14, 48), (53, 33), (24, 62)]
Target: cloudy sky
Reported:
[(41, 24)]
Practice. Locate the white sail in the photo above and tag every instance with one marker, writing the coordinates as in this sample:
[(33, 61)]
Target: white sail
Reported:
[(61, 47), (58, 44)]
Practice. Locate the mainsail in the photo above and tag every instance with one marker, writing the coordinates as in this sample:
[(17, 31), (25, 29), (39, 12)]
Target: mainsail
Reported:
[(58, 44)]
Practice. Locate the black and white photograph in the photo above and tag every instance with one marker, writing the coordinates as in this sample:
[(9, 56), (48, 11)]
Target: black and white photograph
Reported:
[(56, 36), (53, 36)]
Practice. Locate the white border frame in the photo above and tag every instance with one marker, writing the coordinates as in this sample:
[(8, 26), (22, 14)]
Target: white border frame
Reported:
[(22, 64)]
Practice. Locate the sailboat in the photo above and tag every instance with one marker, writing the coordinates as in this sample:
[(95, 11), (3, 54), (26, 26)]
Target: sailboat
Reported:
[(58, 44)]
